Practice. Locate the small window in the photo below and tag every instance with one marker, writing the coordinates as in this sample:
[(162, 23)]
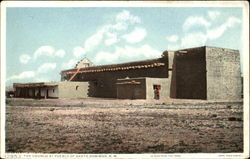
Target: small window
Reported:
[(77, 87), (156, 86), (53, 90)]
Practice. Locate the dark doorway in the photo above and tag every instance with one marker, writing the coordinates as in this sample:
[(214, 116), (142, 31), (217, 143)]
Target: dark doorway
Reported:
[(156, 88)]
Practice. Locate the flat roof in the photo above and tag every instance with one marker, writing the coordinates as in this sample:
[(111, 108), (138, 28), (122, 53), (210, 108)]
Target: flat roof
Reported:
[(39, 84), (121, 66)]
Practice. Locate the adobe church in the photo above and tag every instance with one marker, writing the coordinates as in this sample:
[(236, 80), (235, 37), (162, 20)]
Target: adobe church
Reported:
[(194, 73)]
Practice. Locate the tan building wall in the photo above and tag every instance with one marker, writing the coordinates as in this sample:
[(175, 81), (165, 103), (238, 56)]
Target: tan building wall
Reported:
[(73, 89), (164, 91), (223, 73), (53, 92)]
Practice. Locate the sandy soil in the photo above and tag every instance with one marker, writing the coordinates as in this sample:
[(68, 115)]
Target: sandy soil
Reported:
[(123, 126)]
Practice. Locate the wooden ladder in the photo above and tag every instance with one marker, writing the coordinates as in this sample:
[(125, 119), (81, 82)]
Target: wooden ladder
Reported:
[(74, 74)]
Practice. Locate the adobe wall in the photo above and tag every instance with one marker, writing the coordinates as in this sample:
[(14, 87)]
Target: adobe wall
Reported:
[(53, 92), (189, 74), (164, 91), (73, 89), (131, 91), (103, 84), (223, 73), (168, 84), (171, 55)]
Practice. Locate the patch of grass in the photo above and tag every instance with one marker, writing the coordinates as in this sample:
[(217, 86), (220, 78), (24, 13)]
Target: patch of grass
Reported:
[(8, 101)]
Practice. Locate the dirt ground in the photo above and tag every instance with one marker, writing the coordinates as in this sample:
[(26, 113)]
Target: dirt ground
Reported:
[(123, 126)]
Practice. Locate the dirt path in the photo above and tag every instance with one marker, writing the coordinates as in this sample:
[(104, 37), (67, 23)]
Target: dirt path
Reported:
[(106, 126)]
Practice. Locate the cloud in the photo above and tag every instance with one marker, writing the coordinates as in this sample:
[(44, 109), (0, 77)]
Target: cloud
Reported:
[(200, 37), (110, 34), (194, 21), (23, 75), (127, 53), (232, 21), (213, 14), (173, 47), (44, 51), (46, 67), (43, 79), (93, 41), (189, 40), (33, 74), (48, 51), (78, 51), (60, 53), (70, 64), (145, 51), (125, 16), (219, 31), (172, 38), (119, 26), (112, 39), (24, 58), (103, 56), (123, 20), (193, 39), (137, 35)]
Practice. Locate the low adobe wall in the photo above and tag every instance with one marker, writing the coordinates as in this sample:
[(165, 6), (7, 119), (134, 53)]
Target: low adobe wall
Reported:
[(73, 89)]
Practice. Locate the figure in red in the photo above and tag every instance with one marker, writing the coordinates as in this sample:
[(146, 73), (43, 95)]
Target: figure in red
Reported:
[(157, 91)]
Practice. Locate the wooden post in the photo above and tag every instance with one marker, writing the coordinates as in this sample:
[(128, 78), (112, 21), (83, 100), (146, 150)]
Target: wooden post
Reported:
[(33, 92)]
